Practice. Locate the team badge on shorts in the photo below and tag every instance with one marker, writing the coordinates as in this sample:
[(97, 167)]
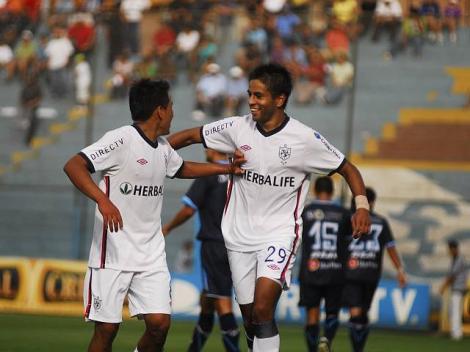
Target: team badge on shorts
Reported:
[(313, 264), (96, 302), (284, 153), (353, 263)]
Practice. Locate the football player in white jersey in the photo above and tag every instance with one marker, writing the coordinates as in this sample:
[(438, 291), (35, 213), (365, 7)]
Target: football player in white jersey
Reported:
[(127, 255), (262, 221)]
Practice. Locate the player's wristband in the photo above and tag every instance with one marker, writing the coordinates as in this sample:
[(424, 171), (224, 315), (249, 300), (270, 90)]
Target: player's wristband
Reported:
[(361, 202)]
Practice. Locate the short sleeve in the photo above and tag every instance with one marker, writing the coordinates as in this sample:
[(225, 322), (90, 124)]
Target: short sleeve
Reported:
[(173, 162), (221, 135), (387, 236), (458, 267), (320, 157), (109, 153), (197, 192)]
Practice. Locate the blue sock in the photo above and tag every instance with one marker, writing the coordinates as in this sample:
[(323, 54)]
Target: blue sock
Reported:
[(311, 336), (201, 332), (330, 327), (250, 336), (358, 334), (230, 332)]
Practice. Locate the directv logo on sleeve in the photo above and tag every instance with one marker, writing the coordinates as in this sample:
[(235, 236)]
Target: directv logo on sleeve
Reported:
[(326, 144)]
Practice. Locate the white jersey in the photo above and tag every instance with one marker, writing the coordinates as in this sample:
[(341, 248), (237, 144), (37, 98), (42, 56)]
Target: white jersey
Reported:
[(265, 204), (134, 169)]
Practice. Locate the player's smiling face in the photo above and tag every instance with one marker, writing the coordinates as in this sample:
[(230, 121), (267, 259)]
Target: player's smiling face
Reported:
[(261, 102)]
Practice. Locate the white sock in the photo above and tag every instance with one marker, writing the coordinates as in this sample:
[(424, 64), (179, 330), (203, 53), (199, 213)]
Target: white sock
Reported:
[(270, 344), (136, 350)]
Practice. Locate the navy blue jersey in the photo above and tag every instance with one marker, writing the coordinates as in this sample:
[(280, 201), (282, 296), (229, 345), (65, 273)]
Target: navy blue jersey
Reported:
[(362, 257), (207, 195), (320, 264)]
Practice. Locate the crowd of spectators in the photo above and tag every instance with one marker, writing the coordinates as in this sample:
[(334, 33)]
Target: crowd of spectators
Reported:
[(313, 39)]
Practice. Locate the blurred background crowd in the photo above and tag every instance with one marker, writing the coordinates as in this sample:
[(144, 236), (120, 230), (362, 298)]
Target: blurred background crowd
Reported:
[(48, 45)]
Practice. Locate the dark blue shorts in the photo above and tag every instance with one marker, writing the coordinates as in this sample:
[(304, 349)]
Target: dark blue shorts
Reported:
[(359, 294), (311, 296), (216, 274)]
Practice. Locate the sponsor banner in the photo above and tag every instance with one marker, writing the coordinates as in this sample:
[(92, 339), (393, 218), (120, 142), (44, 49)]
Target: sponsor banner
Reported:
[(392, 307), (56, 287), (14, 289), (41, 286)]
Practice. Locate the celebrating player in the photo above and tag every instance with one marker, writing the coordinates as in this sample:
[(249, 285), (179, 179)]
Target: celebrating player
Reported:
[(362, 262), (321, 272), (207, 195), (262, 218), (131, 259)]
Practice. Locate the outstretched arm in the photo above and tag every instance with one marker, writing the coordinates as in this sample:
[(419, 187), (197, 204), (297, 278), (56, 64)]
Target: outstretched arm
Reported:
[(193, 170), (184, 138), (183, 215), (360, 219), (401, 276), (77, 171)]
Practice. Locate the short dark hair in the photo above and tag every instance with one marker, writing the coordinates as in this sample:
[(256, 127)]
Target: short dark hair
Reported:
[(370, 195), (275, 77), (324, 184), (453, 243), (145, 96)]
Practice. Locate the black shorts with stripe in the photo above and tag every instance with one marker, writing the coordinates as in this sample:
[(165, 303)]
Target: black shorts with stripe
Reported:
[(311, 296), (216, 274)]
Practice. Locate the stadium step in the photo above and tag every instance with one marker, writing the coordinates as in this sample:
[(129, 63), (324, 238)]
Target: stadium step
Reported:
[(461, 76), (426, 137)]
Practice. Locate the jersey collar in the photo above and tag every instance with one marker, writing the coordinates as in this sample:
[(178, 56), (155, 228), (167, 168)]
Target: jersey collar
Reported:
[(142, 134), (276, 130)]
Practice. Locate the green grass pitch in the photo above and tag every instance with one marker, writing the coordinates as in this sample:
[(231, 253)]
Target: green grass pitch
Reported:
[(20, 333)]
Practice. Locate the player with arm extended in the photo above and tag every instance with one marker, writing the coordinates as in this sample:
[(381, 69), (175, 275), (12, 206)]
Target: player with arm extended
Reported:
[(262, 221), (362, 262), (127, 255), (207, 195), (321, 271)]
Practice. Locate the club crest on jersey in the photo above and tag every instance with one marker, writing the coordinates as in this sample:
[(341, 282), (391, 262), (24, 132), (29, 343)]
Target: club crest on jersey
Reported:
[(318, 214), (313, 265), (353, 263), (284, 153), (142, 161)]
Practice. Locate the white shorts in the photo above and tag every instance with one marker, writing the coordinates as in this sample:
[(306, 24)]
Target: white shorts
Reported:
[(104, 292), (275, 262)]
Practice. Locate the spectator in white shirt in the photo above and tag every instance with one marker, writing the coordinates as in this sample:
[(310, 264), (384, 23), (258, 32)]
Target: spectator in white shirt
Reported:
[(58, 50), (131, 11), (341, 77), (210, 93), (388, 15), (237, 86), (82, 73), (6, 60), (187, 42)]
